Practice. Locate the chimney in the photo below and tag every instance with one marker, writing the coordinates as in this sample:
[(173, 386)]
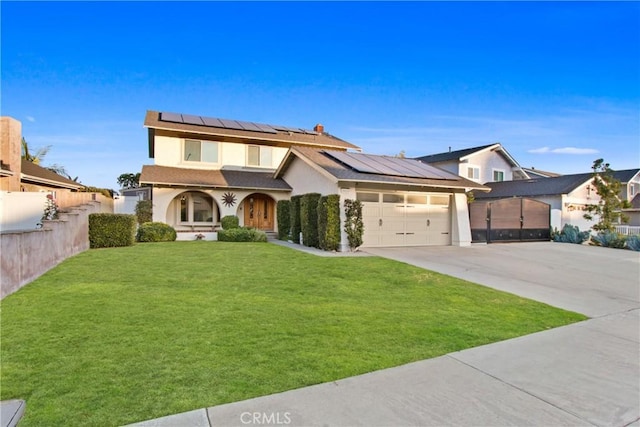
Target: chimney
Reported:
[(319, 128)]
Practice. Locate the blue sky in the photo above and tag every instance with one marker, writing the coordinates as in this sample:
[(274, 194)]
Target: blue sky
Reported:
[(558, 84)]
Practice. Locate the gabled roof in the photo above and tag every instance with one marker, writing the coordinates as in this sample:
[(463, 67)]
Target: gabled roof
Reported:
[(563, 184), (461, 155), (172, 176), (38, 175), (453, 155), (186, 125), (349, 170), (624, 176)]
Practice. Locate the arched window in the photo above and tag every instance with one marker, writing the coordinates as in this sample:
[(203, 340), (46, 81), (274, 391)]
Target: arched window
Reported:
[(196, 207)]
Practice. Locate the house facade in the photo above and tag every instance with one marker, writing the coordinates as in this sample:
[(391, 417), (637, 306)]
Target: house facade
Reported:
[(487, 163), (207, 168)]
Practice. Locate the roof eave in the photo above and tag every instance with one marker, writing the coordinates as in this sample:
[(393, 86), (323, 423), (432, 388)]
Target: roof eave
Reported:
[(44, 181)]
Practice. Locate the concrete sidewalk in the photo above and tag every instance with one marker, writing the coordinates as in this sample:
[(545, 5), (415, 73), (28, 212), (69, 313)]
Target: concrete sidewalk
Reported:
[(587, 373)]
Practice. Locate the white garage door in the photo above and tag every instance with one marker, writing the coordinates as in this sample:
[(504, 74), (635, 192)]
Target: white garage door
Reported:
[(414, 219)]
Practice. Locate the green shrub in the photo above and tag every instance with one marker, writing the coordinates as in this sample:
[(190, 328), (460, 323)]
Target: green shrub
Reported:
[(144, 211), (111, 230), (353, 226), (329, 222), (570, 234), (309, 219), (284, 219), (609, 239), (633, 242), (242, 235), (294, 218), (156, 232), (230, 222)]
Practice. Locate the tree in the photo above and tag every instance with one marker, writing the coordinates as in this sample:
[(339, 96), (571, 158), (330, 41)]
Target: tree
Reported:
[(608, 209), (33, 158), (37, 157), (129, 180)]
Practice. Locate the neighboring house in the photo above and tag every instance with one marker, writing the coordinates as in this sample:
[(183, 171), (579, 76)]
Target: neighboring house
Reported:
[(630, 180), (207, 168), (488, 163), (405, 202), (37, 178), (566, 194)]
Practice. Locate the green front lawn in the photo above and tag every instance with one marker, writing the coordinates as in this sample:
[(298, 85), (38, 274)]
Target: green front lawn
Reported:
[(114, 336)]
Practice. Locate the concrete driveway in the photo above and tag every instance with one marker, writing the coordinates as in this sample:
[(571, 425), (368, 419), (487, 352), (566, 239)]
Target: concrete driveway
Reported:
[(584, 374), (587, 279)]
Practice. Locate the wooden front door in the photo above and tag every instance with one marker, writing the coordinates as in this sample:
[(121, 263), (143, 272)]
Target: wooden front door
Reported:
[(258, 212)]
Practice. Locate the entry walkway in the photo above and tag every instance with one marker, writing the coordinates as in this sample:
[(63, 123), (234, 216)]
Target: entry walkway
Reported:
[(582, 374)]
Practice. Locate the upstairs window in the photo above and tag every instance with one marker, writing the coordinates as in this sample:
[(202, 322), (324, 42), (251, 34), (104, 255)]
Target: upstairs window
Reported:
[(498, 175), (259, 156), (200, 151), (473, 172)]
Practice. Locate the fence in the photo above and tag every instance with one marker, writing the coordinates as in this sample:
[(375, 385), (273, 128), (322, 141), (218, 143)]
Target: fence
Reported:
[(26, 255), (627, 230)]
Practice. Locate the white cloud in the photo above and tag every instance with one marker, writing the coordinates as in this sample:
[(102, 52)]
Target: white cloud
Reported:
[(563, 150), (31, 119)]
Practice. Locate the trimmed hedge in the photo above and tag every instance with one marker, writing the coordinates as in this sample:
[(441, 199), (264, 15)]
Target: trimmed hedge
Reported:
[(111, 230), (284, 219), (230, 222), (242, 235), (294, 218), (144, 211), (353, 226), (329, 222), (309, 219), (156, 232)]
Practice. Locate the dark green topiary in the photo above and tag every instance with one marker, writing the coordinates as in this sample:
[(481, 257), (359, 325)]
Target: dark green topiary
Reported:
[(570, 234), (144, 211), (309, 219), (354, 227), (284, 219), (294, 215), (329, 222), (242, 235), (111, 230), (230, 222), (156, 232), (609, 239)]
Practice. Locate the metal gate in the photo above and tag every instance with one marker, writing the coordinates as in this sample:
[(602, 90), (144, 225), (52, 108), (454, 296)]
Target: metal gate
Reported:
[(510, 220)]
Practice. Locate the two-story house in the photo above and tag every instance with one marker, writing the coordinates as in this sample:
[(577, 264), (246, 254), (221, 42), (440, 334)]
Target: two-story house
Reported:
[(487, 163), (206, 168)]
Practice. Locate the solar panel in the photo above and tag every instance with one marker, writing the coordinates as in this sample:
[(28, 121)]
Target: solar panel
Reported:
[(212, 121), (249, 126), (192, 120), (230, 124), (266, 128), (171, 117), (384, 165)]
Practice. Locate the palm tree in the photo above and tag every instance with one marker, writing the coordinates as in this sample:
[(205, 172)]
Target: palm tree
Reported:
[(39, 156)]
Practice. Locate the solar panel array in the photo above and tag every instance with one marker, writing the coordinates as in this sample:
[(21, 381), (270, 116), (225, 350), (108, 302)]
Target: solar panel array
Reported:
[(394, 166), (230, 124)]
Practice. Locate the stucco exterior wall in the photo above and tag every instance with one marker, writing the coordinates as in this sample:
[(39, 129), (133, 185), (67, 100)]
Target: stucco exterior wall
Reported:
[(168, 152), (303, 179), (26, 255), (488, 161)]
